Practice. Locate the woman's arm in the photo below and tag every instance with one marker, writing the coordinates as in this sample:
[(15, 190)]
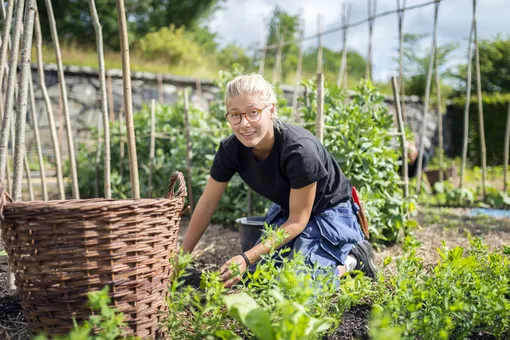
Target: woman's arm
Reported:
[(301, 204), (203, 212)]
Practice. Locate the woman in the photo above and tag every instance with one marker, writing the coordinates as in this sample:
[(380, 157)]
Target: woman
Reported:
[(290, 167)]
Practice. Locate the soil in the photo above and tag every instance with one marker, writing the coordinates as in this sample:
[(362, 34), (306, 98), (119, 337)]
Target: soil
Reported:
[(219, 244)]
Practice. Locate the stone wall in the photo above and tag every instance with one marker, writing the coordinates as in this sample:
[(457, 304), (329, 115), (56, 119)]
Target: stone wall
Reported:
[(84, 101)]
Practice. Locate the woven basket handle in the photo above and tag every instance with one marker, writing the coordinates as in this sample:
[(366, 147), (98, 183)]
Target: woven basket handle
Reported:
[(4, 198), (181, 192)]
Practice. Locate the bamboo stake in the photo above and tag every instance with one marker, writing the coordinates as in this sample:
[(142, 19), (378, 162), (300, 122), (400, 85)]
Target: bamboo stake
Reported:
[(160, 87), (98, 156), (319, 123), (427, 98), (65, 105), (122, 147), (439, 118), (319, 47), (371, 13), (152, 145), (507, 142), (11, 79), (480, 105), (128, 104), (346, 18), (49, 109), (5, 38), (104, 101), (297, 117), (466, 109), (402, 134), (111, 103), (188, 147), (35, 119), (401, 82)]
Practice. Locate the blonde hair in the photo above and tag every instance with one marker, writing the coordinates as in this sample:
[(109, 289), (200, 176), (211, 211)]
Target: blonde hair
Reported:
[(254, 84)]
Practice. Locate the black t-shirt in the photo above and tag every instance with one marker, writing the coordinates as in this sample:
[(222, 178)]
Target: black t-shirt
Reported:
[(297, 159)]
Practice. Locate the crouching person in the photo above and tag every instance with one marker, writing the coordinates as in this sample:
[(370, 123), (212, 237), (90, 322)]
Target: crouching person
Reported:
[(312, 199)]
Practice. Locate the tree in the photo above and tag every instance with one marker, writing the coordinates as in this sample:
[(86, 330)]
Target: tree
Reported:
[(494, 65), (74, 22)]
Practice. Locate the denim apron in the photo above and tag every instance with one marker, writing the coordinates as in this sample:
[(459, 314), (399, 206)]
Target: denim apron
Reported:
[(327, 238)]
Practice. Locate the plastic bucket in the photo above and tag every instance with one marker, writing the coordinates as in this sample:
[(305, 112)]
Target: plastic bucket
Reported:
[(250, 229)]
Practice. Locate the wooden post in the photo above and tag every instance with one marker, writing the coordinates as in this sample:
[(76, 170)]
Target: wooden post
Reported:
[(49, 109), (11, 80), (319, 47), (346, 18), (159, 78), (35, 119), (128, 105), (439, 117), (297, 116), (319, 123), (507, 142), (402, 134), (262, 60), (277, 76), (371, 14), (111, 103), (152, 146), (466, 109), (480, 105), (65, 105), (401, 82), (104, 101), (188, 147), (426, 104)]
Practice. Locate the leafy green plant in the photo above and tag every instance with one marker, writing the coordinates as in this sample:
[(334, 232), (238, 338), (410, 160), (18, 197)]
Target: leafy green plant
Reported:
[(467, 290), (107, 325), (361, 143)]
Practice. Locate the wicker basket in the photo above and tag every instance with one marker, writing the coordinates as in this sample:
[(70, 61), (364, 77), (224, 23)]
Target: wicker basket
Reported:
[(60, 250)]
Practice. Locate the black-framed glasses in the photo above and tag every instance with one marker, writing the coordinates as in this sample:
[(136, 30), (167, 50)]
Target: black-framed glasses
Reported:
[(252, 116)]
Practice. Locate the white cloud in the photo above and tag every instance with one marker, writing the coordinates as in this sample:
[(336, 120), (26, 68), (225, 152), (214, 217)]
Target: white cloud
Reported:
[(245, 22)]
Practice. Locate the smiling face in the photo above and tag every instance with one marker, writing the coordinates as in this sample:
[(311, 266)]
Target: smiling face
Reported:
[(255, 134)]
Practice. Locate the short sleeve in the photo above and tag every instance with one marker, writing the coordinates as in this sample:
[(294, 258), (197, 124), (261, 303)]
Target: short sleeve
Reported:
[(223, 167), (303, 163)]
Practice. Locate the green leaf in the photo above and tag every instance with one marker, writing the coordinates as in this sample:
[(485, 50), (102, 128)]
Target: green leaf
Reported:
[(246, 310), (227, 335), (3, 253)]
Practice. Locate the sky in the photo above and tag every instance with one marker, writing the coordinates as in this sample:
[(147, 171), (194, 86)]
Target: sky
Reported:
[(245, 23)]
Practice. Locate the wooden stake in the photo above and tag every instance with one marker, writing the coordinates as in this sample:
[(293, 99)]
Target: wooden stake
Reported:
[(505, 156), (152, 145), (277, 69), (262, 61), (122, 148), (5, 39), (319, 123), (98, 156), (319, 47), (401, 56), (65, 105), (439, 118), (128, 104), (426, 104), (159, 78), (35, 126), (346, 18), (466, 109), (49, 109), (297, 116), (188, 147), (371, 21), (480, 105), (111, 103), (11, 83), (402, 134), (104, 101)]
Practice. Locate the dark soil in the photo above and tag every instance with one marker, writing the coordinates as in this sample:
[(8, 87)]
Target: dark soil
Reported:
[(220, 244)]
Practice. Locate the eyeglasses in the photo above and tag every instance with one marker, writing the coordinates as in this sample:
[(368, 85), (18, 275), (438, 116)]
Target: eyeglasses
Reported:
[(252, 116)]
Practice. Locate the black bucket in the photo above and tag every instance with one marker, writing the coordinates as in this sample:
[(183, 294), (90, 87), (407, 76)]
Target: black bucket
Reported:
[(250, 229)]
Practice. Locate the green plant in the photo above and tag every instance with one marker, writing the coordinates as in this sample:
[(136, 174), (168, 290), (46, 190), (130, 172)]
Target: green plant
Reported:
[(107, 325), (467, 290), (361, 143)]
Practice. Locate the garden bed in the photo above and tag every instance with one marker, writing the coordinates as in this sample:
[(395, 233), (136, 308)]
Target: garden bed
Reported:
[(220, 244)]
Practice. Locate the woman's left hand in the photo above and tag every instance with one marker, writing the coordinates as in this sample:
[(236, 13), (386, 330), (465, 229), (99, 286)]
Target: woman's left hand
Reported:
[(232, 277)]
